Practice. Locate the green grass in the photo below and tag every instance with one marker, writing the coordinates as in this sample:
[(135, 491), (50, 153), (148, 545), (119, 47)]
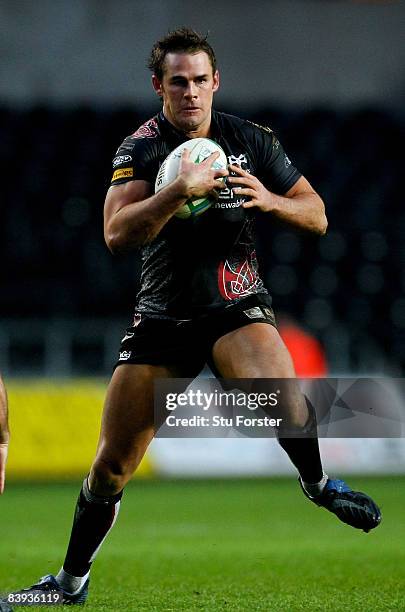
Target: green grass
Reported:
[(215, 545)]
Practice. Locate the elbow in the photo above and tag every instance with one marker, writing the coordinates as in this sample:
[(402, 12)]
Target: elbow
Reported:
[(115, 241), (323, 225), (119, 242)]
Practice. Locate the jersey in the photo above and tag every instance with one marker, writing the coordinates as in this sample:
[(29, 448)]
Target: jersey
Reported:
[(208, 261)]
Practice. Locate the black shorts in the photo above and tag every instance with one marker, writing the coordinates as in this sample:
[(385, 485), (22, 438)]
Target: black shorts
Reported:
[(188, 343)]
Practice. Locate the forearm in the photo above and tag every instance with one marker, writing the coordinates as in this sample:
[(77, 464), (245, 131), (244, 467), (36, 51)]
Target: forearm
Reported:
[(305, 211), (139, 223)]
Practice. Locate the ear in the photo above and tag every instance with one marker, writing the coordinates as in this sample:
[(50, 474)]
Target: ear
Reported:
[(157, 85), (215, 86)]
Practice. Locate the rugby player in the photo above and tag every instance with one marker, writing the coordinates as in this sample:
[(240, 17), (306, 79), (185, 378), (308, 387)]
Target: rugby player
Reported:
[(201, 297), (4, 434)]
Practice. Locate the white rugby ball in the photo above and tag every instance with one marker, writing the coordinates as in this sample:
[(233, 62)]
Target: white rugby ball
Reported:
[(200, 149)]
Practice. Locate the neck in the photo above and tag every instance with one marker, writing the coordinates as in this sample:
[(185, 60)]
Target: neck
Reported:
[(201, 131)]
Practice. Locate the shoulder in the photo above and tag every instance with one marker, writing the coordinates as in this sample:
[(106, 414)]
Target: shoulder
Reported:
[(145, 138), (137, 155), (248, 128)]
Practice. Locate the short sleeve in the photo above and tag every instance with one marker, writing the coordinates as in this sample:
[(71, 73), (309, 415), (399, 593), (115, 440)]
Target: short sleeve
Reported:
[(274, 167), (133, 160)]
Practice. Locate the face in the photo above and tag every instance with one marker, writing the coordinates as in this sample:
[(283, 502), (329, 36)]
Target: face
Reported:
[(187, 88)]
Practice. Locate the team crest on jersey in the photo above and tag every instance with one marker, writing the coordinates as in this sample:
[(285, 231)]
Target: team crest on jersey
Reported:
[(238, 279), (147, 130), (237, 160)]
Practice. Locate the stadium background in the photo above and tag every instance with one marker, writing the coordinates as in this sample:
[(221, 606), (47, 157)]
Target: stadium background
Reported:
[(326, 76)]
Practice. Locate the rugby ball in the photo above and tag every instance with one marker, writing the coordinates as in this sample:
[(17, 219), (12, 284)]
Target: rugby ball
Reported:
[(200, 149)]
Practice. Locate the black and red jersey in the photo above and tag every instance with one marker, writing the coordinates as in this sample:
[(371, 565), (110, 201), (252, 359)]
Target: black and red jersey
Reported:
[(197, 264)]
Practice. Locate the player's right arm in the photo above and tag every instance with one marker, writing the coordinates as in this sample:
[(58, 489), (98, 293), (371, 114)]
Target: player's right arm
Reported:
[(134, 215), (4, 434)]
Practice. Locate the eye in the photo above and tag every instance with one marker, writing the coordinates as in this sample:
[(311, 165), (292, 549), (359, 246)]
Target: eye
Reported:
[(179, 82)]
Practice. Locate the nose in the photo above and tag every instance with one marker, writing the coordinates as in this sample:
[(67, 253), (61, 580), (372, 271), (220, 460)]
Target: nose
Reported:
[(191, 91)]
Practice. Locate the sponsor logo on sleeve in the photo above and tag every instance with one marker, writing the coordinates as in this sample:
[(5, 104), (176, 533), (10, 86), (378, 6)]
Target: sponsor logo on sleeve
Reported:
[(121, 159), (123, 173)]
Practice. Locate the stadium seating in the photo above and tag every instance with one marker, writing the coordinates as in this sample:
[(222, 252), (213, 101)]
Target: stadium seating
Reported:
[(347, 287)]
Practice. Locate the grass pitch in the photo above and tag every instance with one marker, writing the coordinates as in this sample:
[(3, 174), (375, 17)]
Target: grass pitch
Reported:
[(215, 545)]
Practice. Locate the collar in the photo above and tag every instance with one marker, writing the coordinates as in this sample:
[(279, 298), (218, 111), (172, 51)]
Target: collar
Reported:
[(176, 137)]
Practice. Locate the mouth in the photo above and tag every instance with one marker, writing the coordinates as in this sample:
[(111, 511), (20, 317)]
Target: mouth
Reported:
[(191, 109)]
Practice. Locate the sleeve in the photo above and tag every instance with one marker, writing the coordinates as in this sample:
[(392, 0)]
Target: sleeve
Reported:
[(133, 161), (274, 167)]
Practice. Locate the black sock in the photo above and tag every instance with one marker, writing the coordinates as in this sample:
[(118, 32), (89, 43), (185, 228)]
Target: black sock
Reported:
[(303, 449), (94, 517)]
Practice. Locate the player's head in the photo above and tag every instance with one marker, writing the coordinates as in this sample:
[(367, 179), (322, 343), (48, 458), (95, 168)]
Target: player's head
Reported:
[(185, 76)]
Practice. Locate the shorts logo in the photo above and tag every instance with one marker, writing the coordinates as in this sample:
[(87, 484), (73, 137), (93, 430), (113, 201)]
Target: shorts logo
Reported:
[(121, 159), (124, 355), (267, 312), (128, 336), (254, 313), (123, 173)]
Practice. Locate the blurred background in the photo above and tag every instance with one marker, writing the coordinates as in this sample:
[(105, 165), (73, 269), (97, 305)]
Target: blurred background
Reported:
[(326, 75)]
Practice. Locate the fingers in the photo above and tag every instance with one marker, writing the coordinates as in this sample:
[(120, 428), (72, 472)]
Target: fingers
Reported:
[(211, 158), (244, 178), (245, 191), (185, 155), (238, 170), (248, 184), (219, 184), (208, 161)]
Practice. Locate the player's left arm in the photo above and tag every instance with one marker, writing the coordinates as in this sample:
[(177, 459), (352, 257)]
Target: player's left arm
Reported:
[(300, 205), (4, 434)]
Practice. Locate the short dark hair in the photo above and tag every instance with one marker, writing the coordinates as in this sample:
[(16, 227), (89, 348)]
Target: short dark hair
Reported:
[(182, 40)]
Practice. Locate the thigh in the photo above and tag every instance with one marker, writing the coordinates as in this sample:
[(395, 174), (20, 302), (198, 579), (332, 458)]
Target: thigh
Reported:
[(253, 351), (127, 425), (256, 351)]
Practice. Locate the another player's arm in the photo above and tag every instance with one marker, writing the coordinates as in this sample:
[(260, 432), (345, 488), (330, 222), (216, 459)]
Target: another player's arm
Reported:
[(4, 434), (300, 205), (134, 216)]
